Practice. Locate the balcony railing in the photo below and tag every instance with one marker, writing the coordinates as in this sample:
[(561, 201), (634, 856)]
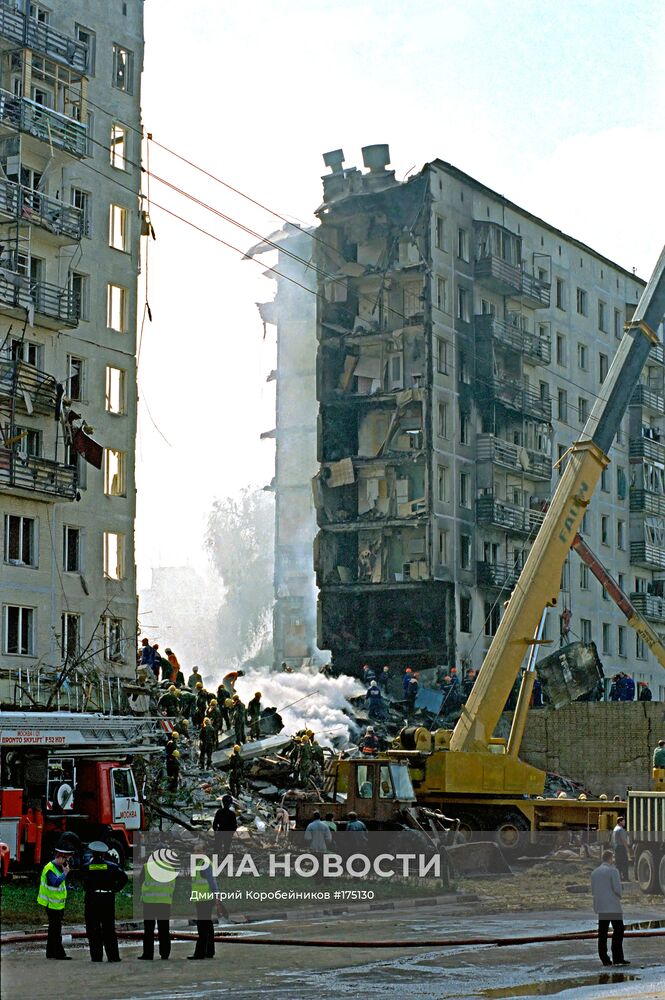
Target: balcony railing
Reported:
[(649, 606), (533, 346), (532, 464), (642, 447), (497, 575), (31, 34), (648, 555), (37, 475), (653, 399), (33, 390), (508, 279), (647, 502), (657, 354), (19, 292), (44, 123), (500, 514), (516, 397), (33, 207)]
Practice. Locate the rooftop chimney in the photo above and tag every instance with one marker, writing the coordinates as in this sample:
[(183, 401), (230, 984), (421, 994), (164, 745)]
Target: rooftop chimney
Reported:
[(376, 158), (335, 160)]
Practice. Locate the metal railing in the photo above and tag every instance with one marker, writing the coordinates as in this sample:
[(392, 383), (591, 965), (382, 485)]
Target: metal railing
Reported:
[(37, 475), (19, 292), (642, 447), (33, 390), (535, 347), (514, 395), (31, 34), (44, 123), (646, 502), (652, 398), (648, 605), (38, 209), (497, 575), (500, 514), (513, 457), (508, 279), (647, 554)]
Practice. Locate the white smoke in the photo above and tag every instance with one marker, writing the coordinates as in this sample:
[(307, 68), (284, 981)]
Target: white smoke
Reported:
[(320, 702)]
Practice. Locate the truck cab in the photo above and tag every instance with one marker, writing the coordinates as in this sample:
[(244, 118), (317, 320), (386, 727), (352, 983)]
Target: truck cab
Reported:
[(379, 792)]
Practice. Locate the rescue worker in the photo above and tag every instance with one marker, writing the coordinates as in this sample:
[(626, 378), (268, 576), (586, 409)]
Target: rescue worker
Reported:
[(53, 896), (156, 900), (239, 718), (374, 702), (215, 717), (659, 754), (169, 703), (406, 680), (101, 879), (468, 682), (383, 679), (173, 771), (187, 703), (317, 749), (644, 692), (236, 771), (412, 694), (224, 825), (203, 884), (254, 716), (222, 699), (369, 744), (201, 705), (368, 675), (207, 743), (304, 760), (174, 665), (229, 680), (194, 678)]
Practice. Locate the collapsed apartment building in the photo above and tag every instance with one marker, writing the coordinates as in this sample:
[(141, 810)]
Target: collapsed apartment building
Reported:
[(461, 342)]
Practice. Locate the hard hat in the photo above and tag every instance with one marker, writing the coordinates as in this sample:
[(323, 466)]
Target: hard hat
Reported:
[(257, 694), (603, 797), (168, 650), (175, 735), (206, 721), (199, 685), (176, 754), (237, 748), (370, 729), (408, 670), (228, 703), (213, 702), (98, 847), (562, 795), (582, 797), (171, 688)]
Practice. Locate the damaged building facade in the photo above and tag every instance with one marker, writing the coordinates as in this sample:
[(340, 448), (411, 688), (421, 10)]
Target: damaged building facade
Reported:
[(70, 151), (461, 344), (292, 314)]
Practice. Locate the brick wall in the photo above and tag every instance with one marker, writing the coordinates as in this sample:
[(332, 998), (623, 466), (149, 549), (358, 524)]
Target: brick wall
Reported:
[(606, 746)]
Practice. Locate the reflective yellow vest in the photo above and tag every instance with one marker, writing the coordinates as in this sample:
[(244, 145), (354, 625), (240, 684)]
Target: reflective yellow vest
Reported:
[(52, 896), (153, 892)]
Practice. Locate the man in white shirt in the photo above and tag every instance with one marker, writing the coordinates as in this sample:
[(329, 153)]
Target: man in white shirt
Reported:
[(318, 834), (606, 889)]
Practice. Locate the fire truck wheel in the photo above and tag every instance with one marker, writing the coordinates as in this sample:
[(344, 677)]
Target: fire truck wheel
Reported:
[(117, 851), (646, 871)]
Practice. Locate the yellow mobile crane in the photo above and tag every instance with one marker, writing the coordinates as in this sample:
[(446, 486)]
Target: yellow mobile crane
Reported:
[(467, 770)]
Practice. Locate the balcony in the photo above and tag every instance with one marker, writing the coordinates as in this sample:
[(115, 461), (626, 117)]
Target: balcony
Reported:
[(500, 514), (650, 397), (26, 205), (648, 605), (534, 348), (508, 279), (515, 396), (497, 575), (647, 502), (55, 306), (648, 555), (32, 390), (31, 34), (657, 354), (37, 475), (642, 447), (529, 463), (43, 123)]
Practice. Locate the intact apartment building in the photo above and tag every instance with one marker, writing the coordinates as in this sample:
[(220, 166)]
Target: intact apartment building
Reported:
[(461, 344), (70, 149), (292, 313)]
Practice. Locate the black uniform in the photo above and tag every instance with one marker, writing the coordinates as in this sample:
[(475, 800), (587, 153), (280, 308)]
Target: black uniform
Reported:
[(101, 879)]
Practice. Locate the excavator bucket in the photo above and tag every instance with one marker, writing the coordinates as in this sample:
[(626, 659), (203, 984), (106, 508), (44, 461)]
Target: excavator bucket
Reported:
[(572, 671)]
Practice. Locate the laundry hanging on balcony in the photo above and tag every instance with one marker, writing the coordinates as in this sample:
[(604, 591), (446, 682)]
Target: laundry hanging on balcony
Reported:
[(89, 449)]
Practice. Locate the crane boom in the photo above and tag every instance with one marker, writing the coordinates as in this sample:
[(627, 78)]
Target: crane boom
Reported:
[(539, 582)]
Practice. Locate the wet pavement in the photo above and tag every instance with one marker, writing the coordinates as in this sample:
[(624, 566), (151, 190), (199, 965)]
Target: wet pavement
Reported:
[(563, 969)]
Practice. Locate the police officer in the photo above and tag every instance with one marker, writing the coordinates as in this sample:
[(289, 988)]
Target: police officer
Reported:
[(101, 879), (53, 895)]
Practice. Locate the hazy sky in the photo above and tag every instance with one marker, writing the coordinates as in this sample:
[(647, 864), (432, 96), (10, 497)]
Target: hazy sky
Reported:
[(558, 105)]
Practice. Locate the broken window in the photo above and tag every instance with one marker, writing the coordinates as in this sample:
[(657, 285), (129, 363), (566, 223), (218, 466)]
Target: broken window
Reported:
[(78, 285), (71, 549), (118, 227), (113, 639), (123, 65), (20, 540), (29, 441), (74, 381), (115, 472), (81, 199), (70, 638), (18, 630), (114, 555), (116, 394), (118, 147), (117, 298), (89, 39), (28, 351)]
